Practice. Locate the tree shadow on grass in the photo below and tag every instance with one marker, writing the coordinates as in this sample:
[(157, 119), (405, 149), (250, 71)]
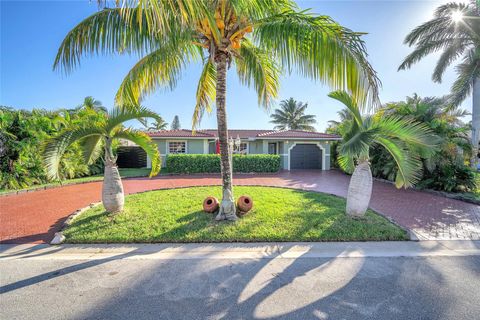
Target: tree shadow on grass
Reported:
[(321, 218)]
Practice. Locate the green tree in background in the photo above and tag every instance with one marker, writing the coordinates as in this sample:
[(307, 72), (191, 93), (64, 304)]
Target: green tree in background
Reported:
[(291, 116), (158, 124), (454, 30), (175, 124)]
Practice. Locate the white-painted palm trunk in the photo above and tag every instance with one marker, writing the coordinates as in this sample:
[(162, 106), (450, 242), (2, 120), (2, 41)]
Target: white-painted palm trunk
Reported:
[(359, 190), (113, 197), (475, 122)]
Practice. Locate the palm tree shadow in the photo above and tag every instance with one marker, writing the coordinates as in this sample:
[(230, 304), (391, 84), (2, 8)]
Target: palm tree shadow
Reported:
[(280, 288)]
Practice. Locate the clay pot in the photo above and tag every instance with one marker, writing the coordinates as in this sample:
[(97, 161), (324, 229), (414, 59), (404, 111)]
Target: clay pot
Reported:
[(244, 204), (210, 204)]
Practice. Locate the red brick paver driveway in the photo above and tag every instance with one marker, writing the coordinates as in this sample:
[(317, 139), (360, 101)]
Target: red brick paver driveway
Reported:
[(35, 216)]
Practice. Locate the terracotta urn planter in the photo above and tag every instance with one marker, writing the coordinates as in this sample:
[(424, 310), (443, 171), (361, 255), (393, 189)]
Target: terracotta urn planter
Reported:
[(210, 204), (244, 204)]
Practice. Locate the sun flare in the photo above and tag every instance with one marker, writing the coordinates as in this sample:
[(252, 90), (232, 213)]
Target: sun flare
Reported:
[(457, 16)]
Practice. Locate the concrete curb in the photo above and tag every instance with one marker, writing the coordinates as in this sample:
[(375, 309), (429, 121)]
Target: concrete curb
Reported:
[(59, 238), (274, 250)]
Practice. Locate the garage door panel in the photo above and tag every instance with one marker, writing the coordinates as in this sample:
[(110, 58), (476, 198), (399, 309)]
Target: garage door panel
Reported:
[(306, 156)]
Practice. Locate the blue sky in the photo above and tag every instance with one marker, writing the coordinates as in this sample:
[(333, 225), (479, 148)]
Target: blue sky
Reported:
[(31, 32)]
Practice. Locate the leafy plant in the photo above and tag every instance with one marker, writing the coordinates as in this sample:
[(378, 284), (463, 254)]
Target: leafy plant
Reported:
[(443, 119), (22, 136), (210, 163)]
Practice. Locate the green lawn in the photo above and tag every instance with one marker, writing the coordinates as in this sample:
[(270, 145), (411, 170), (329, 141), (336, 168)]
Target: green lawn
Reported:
[(124, 173), (279, 215)]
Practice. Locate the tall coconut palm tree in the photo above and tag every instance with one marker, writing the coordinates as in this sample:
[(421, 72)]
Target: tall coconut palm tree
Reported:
[(405, 140), (260, 38), (94, 136), (454, 30), (158, 124), (291, 115)]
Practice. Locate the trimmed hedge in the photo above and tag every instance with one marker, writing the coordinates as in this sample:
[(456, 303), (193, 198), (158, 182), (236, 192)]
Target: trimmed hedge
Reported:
[(210, 163)]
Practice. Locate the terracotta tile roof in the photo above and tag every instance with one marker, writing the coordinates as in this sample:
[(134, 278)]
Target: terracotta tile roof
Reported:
[(243, 134), (298, 134), (182, 133)]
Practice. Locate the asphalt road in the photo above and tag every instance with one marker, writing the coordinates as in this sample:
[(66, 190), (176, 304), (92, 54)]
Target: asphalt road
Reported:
[(433, 287)]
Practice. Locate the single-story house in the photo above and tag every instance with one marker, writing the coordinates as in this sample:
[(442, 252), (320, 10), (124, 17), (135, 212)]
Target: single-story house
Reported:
[(297, 149)]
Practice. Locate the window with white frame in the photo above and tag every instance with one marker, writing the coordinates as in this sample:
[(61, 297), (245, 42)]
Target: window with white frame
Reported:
[(177, 147), (241, 149)]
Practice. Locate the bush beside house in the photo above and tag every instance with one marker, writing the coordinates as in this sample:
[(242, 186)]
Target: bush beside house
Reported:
[(210, 163)]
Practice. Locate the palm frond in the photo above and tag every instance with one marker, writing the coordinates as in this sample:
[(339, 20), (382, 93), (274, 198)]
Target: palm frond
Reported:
[(102, 33), (255, 66), (145, 142), (206, 92), (161, 68), (351, 105), (409, 131), (409, 165), (466, 71), (117, 116), (92, 149), (346, 162), (449, 55), (321, 49), (56, 147)]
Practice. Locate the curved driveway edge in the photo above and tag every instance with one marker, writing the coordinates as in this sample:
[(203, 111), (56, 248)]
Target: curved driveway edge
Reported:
[(34, 217)]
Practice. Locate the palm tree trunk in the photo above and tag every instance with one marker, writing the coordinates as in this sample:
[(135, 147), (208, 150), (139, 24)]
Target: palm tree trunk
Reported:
[(227, 206), (475, 122), (359, 190), (113, 197)]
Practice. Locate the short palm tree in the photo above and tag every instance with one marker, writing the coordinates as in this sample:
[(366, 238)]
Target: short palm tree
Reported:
[(90, 103), (94, 136), (158, 124), (260, 38), (405, 140), (291, 116), (455, 30)]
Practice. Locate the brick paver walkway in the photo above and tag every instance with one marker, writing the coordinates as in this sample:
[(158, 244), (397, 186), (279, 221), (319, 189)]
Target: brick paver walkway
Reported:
[(35, 216)]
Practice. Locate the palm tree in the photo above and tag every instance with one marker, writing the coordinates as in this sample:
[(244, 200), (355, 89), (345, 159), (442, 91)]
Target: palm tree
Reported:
[(96, 135), (175, 123), (291, 116), (158, 124), (405, 140), (455, 30), (89, 103), (257, 37)]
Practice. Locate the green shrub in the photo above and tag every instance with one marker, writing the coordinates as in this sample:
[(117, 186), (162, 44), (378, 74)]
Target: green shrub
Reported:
[(210, 163)]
